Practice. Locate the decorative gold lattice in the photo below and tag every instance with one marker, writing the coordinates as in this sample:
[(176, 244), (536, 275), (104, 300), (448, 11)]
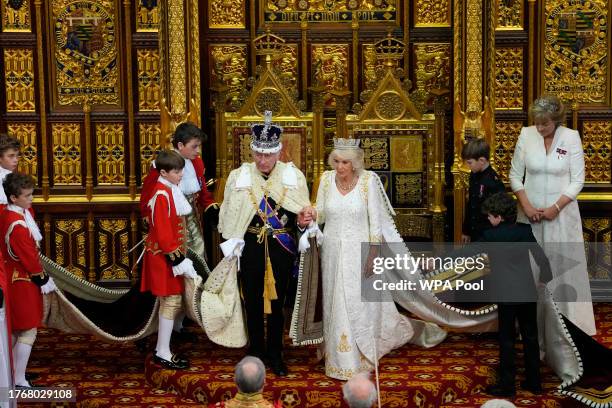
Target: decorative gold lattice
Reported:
[(226, 14), (66, 153), (85, 51), (509, 14), (229, 66), (432, 13), (150, 134), (70, 245), (149, 89), (110, 154), (408, 190), (26, 134), (506, 135), (597, 236), (433, 66), (113, 247), (596, 139), (576, 50), (509, 78), (376, 153), (147, 15), (19, 80), (15, 15), (328, 11)]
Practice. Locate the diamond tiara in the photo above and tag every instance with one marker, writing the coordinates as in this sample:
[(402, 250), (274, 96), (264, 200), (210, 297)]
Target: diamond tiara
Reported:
[(346, 144)]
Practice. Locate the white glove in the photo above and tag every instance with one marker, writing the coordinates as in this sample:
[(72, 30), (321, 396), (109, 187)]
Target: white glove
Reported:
[(232, 247), (190, 272), (48, 287), (183, 267)]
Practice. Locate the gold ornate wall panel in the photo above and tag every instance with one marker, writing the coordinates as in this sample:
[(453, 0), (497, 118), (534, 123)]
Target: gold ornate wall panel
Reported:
[(285, 63), (432, 13), (110, 153), (66, 154), (229, 66), (19, 80), (226, 14), (597, 145), (474, 56), (328, 11), (16, 15), (150, 135), (599, 260), (330, 67), (147, 16), (84, 48), (70, 245), (576, 43), (26, 134), (509, 14), (433, 66), (509, 79), (113, 244), (149, 87), (506, 135), (376, 153)]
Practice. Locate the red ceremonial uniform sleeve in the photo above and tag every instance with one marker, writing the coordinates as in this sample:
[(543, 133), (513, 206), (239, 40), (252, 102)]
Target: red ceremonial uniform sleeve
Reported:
[(205, 198), (25, 249), (148, 188), (164, 231)]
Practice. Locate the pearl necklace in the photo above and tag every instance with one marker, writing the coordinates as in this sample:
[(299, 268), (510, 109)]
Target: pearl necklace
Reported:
[(349, 187)]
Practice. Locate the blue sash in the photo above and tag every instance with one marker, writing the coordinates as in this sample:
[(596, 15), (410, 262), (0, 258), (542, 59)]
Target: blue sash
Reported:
[(286, 240)]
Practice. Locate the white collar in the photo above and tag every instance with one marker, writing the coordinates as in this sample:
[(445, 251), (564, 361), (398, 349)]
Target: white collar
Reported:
[(189, 183), (32, 226), (180, 202), (3, 173)]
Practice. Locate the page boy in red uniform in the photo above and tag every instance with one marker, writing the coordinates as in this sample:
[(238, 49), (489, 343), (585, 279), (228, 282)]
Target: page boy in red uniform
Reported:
[(27, 281), (165, 262)]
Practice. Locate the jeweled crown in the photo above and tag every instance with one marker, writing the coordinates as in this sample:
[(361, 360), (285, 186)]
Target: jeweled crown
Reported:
[(265, 137), (346, 144)]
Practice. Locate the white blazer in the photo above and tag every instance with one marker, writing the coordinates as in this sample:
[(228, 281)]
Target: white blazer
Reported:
[(545, 177)]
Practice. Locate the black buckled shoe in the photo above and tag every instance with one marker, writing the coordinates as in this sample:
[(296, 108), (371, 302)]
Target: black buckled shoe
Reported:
[(175, 363), (532, 388), (278, 367), (500, 391)]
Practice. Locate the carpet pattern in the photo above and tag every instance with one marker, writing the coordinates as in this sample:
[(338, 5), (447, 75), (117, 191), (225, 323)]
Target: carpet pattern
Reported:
[(450, 375)]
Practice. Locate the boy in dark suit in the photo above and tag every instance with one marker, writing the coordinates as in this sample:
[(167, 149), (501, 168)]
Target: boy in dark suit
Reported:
[(515, 292), (484, 182)]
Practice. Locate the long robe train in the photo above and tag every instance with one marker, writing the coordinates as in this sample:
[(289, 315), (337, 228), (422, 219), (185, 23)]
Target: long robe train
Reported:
[(82, 307)]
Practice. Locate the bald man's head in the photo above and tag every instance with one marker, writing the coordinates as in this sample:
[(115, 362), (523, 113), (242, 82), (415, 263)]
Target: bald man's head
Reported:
[(250, 375), (359, 391)]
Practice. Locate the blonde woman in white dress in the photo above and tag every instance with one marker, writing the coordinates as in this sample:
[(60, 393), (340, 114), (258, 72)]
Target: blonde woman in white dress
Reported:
[(357, 333), (546, 176)]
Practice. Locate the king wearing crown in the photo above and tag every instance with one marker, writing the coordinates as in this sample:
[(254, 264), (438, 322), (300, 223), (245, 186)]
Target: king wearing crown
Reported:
[(262, 206)]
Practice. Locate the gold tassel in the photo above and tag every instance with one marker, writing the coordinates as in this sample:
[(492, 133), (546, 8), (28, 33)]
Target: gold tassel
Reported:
[(269, 293)]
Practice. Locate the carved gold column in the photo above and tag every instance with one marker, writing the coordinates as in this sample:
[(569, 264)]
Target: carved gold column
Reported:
[(91, 232), (304, 59), (219, 91), (42, 107), (318, 135), (88, 152), (179, 56), (127, 7), (134, 235), (342, 105), (531, 52), (355, 29), (437, 207)]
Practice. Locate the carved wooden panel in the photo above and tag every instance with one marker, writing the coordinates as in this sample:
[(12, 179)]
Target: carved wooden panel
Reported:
[(16, 15), (509, 78), (113, 244), (26, 134), (66, 153), (70, 245), (596, 142), (110, 153), (19, 80), (147, 16)]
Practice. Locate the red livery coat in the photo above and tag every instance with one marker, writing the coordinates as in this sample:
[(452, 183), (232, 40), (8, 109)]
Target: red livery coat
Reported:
[(203, 201), (21, 262), (166, 236)]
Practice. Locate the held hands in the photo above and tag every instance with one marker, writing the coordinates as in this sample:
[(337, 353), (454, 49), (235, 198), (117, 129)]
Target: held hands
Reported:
[(534, 214), (306, 216), (549, 213)]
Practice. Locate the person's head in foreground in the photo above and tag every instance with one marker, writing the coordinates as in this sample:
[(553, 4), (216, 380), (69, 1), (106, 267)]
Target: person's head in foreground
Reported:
[(498, 403), (266, 144), (250, 375), (359, 391), (476, 155), (19, 188), (547, 113)]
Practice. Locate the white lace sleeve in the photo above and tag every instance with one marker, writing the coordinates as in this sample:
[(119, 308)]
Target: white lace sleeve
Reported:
[(376, 205), (322, 193)]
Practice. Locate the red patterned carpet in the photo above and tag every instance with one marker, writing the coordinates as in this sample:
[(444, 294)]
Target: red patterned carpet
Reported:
[(111, 375)]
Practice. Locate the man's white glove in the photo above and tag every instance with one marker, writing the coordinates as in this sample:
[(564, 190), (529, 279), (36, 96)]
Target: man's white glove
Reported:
[(48, 287), (184, 268)]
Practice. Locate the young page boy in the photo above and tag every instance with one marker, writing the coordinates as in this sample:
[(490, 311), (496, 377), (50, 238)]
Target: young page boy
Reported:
[(484, 182), (164, 263), (515, 291), (9, 158), (27, 281)]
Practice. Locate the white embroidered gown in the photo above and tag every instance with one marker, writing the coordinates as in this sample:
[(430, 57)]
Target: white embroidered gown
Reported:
[(352, 327)]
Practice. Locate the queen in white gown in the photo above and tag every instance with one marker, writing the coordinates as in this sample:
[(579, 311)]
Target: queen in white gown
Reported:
[(357, 332)]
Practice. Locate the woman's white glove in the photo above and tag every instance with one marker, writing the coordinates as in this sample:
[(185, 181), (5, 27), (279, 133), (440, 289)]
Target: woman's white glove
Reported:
[(184, 268), (48, 287)]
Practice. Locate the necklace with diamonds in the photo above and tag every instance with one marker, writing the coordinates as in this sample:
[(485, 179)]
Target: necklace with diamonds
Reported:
[(348, 188)]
